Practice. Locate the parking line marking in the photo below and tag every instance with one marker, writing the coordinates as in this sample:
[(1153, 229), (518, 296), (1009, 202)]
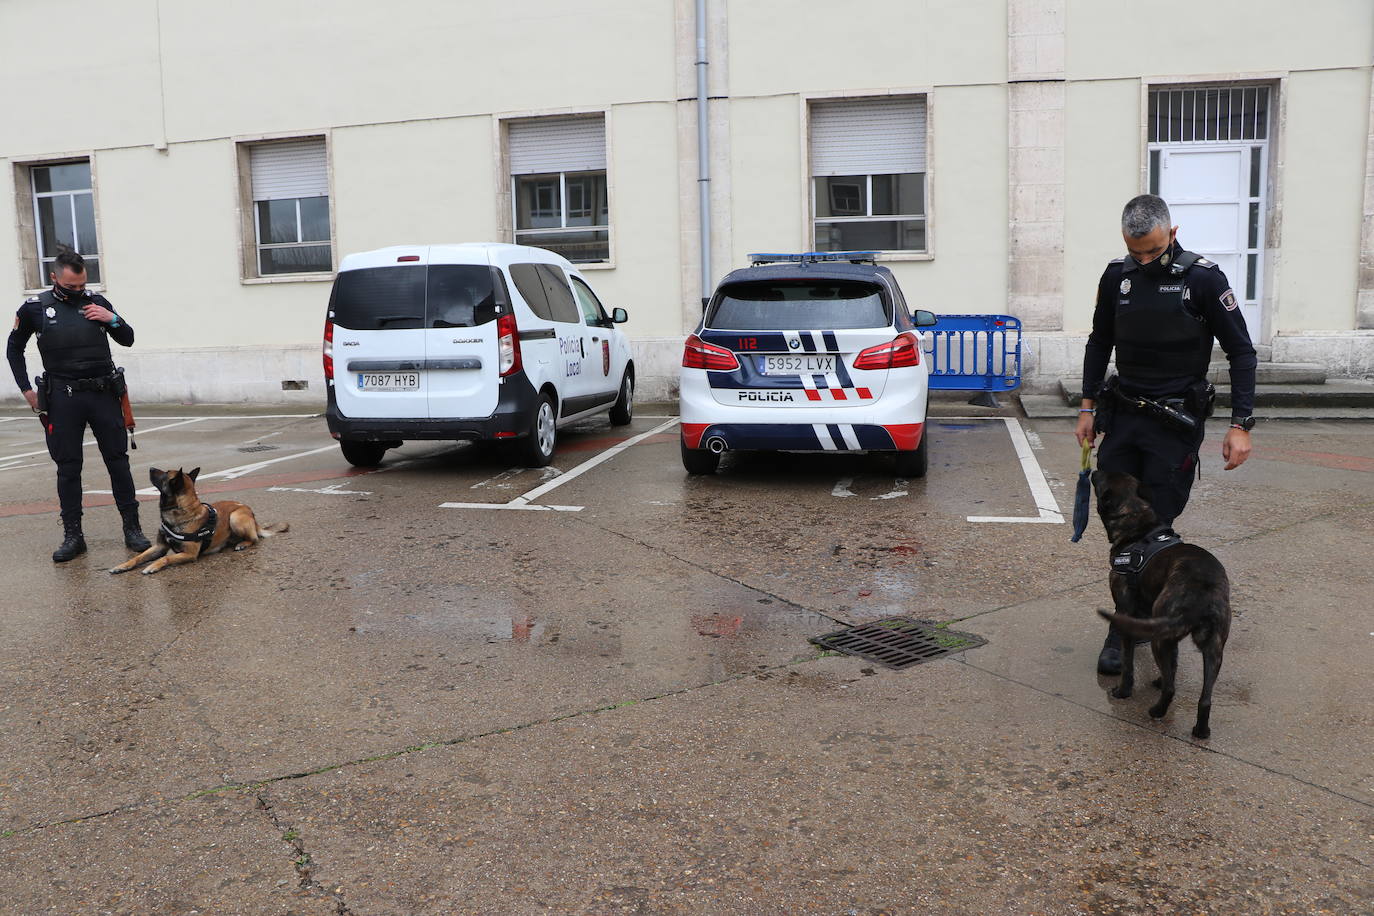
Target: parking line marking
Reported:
[(89, 443), (240, 471), (1035, 478), (523, 502)]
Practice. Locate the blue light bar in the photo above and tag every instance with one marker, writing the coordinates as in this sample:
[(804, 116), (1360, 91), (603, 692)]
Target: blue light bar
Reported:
[(811, 257)]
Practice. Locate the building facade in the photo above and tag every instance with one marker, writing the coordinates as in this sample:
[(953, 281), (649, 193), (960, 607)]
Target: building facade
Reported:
[(215, 161)]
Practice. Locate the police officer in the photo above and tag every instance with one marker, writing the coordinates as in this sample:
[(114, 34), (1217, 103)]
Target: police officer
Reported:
[(1161, 307), (81, 389)]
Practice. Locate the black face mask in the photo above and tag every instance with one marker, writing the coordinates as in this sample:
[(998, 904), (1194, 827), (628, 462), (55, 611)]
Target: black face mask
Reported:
[(73, 296)]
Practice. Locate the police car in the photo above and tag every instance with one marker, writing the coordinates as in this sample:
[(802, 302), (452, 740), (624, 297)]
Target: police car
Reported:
[(479, 341), (806, 352)]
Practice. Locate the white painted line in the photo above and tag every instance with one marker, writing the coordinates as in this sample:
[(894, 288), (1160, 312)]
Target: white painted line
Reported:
[(89, 442), (897, 492), (15, 467), (331, 490), (240, 471), (1035, 478), (523, 502), (10, 419), (842, 487)]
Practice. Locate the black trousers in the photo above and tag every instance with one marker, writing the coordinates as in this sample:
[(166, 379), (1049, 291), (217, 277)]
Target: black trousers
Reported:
[(1160, 455), (68, 417)]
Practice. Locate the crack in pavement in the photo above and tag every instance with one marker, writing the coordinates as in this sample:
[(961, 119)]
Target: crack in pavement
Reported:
[(301, 861)]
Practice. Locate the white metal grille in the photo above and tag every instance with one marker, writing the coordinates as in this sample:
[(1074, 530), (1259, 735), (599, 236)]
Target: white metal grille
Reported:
[(547, 145), (289, 169), (1200, 114), (868, 136)]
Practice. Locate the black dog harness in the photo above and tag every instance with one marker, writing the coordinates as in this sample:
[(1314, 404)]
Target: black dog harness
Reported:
[(1134, 557), (201, 535)]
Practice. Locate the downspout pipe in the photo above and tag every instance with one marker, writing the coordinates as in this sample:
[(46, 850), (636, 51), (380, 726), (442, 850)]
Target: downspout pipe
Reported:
[(703, 156)]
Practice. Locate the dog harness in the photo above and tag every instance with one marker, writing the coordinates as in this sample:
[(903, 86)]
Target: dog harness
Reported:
[(1133, 558), (201, 535)]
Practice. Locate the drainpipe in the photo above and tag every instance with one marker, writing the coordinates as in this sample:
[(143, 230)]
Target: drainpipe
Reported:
[(703, 156)]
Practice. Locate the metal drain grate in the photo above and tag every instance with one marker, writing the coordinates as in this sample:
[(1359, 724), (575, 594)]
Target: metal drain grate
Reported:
[(257, 448), (899, 642)]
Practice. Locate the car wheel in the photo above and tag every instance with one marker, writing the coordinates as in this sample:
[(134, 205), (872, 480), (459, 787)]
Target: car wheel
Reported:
[(536, 449), (915, 462), (699, 460), (624, 410), (362, 454)]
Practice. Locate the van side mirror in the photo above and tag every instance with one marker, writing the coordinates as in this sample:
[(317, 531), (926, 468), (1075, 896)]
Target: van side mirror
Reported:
[(619, 316), (923, 319)]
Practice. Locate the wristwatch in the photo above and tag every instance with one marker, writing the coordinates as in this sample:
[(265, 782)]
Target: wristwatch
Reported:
[(1245, 423)]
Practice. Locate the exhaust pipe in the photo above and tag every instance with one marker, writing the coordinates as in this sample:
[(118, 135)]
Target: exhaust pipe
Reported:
[(716, 444)]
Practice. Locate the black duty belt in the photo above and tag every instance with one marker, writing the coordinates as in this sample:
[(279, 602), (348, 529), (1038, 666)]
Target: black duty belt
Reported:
[(1133, 558), (201, 535)]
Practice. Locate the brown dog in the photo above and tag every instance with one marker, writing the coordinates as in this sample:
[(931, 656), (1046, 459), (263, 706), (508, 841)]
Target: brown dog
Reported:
[(1182, 590), (191, 528)]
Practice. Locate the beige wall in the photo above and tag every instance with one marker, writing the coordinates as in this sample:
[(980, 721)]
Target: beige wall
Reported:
[(1323, 166)]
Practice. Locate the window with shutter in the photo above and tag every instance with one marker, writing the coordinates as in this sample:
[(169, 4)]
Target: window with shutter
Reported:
[(558, 185), (868, 174), (289, 184)]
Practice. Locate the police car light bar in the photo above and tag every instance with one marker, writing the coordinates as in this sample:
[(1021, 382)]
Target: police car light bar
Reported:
[(811, 257)]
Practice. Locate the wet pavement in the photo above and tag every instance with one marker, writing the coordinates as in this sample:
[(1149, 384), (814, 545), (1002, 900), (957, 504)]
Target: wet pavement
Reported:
[(400, 707)]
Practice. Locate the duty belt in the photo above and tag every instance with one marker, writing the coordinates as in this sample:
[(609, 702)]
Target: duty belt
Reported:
[(201, 535), (1133, 558)]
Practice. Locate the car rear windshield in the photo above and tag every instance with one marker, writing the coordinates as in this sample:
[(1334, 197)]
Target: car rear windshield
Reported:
[(799, 305), (415, 296)]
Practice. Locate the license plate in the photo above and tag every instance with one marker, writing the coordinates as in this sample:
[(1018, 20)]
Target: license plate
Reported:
[(799, 364), (388, 381)]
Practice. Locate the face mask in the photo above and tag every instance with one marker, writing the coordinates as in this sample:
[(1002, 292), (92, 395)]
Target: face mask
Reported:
[(1159, 266), (73, 295)]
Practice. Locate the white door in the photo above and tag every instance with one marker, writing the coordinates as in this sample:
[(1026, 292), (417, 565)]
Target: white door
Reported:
[(1215, 195)]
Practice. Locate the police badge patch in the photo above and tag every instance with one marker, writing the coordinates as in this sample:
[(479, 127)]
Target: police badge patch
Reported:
[(50, 312), (1125, 286), (1228, 299)]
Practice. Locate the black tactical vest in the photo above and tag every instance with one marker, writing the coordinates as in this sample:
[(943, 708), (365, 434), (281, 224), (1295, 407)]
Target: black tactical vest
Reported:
[(1160, 333), (71, 345)]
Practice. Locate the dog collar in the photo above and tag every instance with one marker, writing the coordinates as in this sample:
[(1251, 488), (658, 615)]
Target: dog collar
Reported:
[(201, 535), (1134, 557)]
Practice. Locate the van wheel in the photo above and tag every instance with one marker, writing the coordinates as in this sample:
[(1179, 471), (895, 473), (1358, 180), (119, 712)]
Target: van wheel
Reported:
[(362, 454), (698, 460), (915, 462), (536, 449), (624, 410)]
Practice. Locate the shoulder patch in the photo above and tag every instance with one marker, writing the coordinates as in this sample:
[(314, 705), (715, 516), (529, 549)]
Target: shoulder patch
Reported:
[(29, 300), (1228, 300), (1203, 262), (1117, 261)]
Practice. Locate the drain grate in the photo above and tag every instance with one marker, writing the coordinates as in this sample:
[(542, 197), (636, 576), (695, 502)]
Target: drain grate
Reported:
[(257, 448), (899, 642)]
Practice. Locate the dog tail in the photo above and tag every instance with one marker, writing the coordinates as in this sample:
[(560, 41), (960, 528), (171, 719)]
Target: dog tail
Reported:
[(1150, 627), (266, 531)]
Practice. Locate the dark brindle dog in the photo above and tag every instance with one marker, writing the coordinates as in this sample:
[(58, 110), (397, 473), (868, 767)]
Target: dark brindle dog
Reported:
[(191, 528), (1181, 591)]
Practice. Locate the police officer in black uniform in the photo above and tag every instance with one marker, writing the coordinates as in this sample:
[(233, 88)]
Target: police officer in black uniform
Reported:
[(1161, 307), (80, 388)]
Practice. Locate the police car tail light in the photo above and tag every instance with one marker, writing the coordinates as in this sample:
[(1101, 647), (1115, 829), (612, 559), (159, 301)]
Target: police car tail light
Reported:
[(328, 350), (895, 354), (698, 354), (507, 344)]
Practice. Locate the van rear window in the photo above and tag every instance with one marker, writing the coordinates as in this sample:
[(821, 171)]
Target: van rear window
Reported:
[(414, 296), (799, 305)]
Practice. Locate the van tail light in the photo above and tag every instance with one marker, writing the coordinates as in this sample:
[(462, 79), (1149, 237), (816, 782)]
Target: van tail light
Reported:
[(507, 344), (895, 354), (698, 354), (328, 350)]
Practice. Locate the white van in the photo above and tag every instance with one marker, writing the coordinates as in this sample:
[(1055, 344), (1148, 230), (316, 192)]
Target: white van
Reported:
[(475, 342)]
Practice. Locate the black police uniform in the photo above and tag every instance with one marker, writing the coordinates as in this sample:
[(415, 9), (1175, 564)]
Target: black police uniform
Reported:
[(82, 390), (1161, 318)]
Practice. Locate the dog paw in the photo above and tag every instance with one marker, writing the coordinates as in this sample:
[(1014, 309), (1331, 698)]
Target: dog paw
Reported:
[(149, 571), (1201, 732), (1157, 711), (115, 570), (1122, 693), (1157, 683)]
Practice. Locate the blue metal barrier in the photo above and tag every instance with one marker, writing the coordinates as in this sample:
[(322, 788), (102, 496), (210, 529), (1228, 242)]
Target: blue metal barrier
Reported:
[(974, 353)]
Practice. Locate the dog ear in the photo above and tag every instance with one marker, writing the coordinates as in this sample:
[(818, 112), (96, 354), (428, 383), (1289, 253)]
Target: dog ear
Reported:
[(193, 473)]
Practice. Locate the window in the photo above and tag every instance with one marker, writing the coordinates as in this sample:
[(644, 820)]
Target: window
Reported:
[(868, 174), (558, 184), (63, 216), (798, 304), (290, 204), (545, 290), (592, 312)]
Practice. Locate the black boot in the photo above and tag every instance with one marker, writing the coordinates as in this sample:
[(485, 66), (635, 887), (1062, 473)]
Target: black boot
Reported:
[(1109, 659), (134, 538), (73, 544)]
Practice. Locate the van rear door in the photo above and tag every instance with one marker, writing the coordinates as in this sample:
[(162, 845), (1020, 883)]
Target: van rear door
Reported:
[(379, 341), (462, 365)]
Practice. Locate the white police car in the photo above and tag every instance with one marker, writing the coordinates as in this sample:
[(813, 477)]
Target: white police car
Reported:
[(806, 352), (476, 341)]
